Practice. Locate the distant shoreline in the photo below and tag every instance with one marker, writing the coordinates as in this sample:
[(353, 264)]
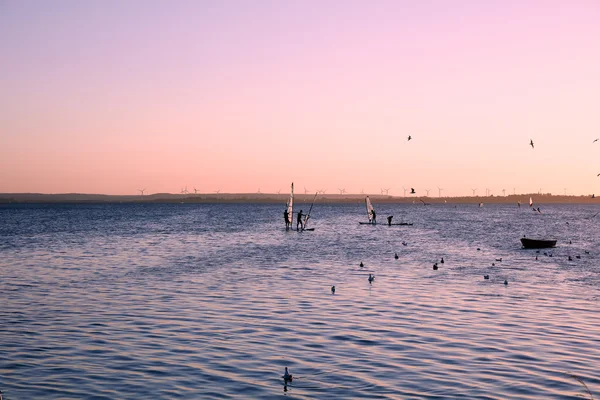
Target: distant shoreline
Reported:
[(76, 198)]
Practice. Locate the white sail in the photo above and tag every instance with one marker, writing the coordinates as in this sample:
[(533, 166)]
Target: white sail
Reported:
[(530, 202), (369, 209), (290, 205)]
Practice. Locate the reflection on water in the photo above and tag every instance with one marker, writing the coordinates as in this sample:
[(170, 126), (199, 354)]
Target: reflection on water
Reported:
[(213, 301)]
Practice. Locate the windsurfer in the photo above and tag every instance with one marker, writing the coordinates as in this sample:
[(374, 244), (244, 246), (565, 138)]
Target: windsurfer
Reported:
[(299, 221), (286, 217), (390, 219), (373, 217)]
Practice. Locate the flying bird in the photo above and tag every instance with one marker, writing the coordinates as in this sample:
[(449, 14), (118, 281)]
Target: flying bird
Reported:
[(409, 137), (531, 143), (595, 140), (412, 191)]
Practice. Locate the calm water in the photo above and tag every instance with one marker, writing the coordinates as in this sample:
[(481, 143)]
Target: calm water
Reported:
[(212, 301)]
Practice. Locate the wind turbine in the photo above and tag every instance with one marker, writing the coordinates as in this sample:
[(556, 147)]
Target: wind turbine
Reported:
[(184, 191), (362, 191), (258, 192), (142, 191), (440, 191), (474, 190), (195, 190), (504, 192), (342, 191), (514, 191), (279, 191), (217, 191), (427, 190), (305, 190), (403, 188)]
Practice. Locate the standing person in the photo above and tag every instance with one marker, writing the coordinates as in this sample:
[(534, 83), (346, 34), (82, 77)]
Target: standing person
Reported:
[(299, 220), (374, 215), (286, 217), (390, 220)]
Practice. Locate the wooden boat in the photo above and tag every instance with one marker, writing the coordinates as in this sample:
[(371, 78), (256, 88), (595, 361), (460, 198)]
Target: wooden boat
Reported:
[(537, 243)]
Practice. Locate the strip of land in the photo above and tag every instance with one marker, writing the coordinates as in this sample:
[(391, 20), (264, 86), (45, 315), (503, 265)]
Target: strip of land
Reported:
[(79, 198)]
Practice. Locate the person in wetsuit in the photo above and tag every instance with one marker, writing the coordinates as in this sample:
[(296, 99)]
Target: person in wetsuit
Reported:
[(286, 217), (299, 220), (374, 215), (390, 220)]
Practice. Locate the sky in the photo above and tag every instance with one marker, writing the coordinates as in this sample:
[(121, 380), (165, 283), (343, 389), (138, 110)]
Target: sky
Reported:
[(241, 96)]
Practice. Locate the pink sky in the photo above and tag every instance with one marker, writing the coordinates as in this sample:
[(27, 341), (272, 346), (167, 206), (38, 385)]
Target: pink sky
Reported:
[(111, 97)]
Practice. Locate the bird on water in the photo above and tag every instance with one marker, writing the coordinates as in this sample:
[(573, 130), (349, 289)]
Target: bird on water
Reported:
[(287, 377), (361, 264), (371, 278), (396, 256), (333, 290)]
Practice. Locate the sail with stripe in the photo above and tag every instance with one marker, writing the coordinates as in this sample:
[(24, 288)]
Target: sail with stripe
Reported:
[(369, 209), (290, 205), (309, 210)]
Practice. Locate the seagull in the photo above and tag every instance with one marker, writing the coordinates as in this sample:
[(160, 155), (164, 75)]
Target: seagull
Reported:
[(505, 282), (598, 175), (396, 256), (531, 143), (333, 290), (442, 261), (410, 137), (486, 277), (595, 140), (361, 264), (287, 377), (499, 259), (412, 191)]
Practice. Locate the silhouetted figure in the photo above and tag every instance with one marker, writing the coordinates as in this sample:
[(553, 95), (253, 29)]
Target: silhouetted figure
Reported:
[(299, 221), (373, 217), (389, 219), (531, 143), (286, 216)]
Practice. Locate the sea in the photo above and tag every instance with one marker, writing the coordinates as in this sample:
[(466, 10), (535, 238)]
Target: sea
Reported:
[(213, 301)]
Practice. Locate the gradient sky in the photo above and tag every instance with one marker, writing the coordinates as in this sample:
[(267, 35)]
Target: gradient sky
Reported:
[(114, 96)]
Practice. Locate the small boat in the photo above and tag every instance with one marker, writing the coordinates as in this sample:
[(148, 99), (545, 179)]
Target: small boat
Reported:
[(537, 243)]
